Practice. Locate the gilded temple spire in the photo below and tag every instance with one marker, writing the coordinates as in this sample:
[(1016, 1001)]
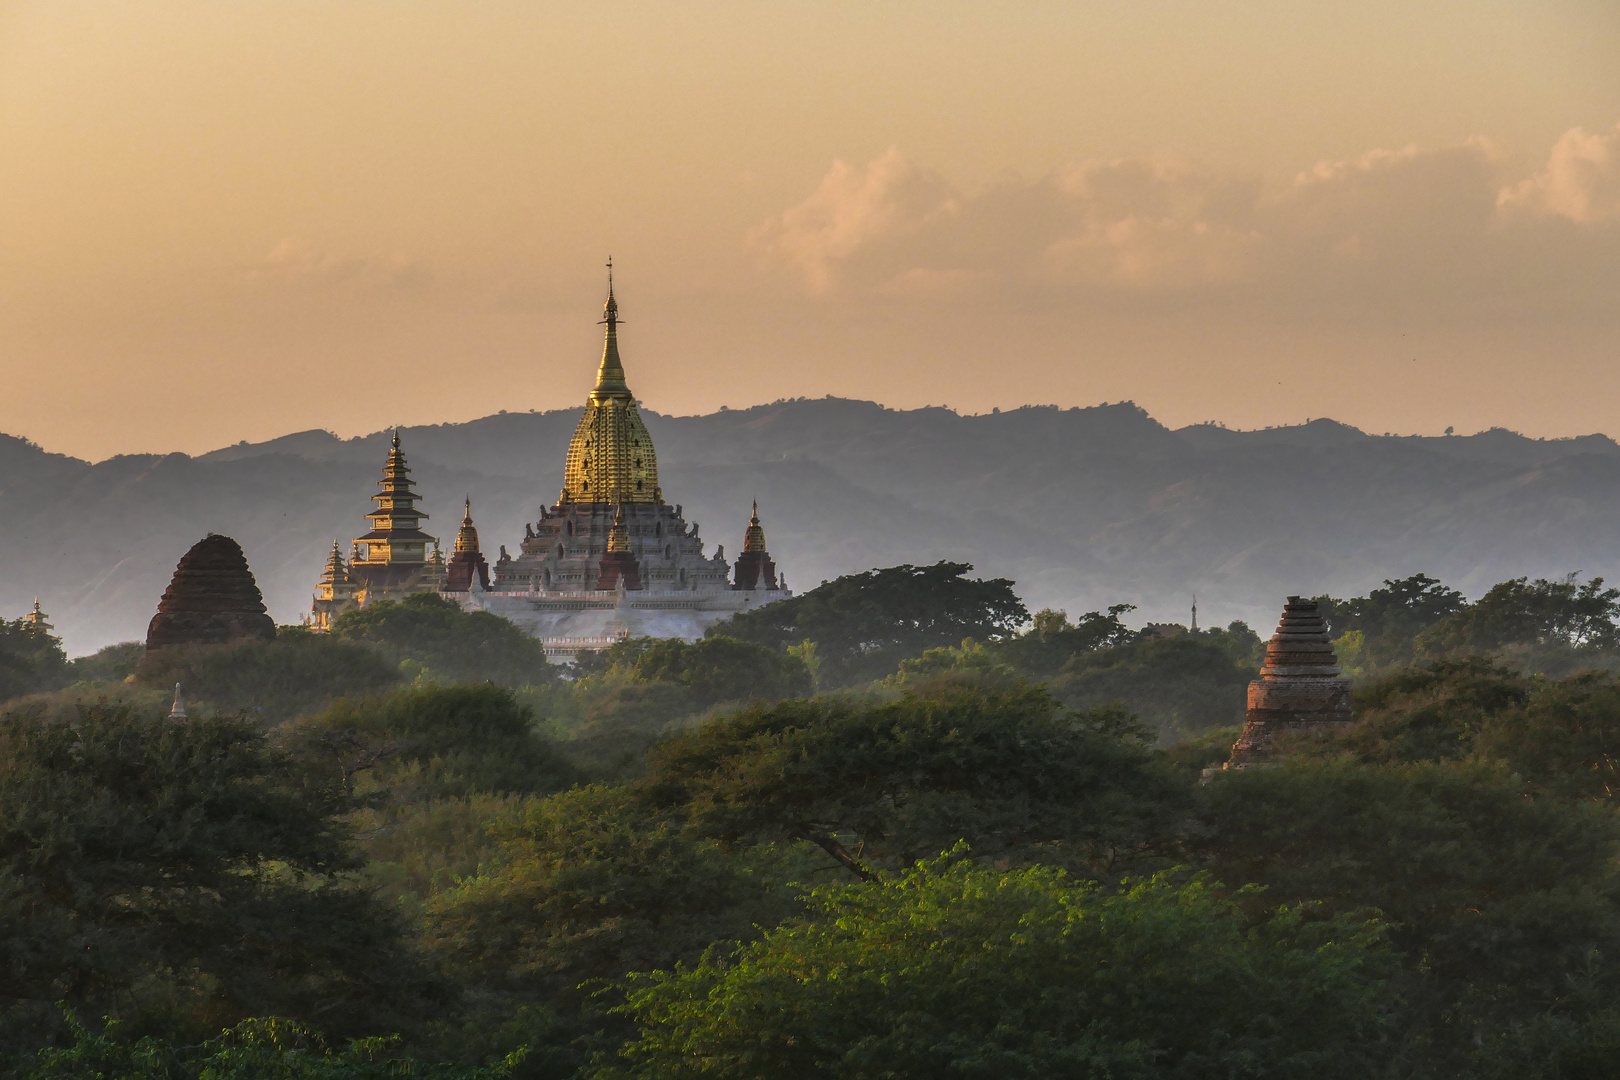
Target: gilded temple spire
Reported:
[(610, 382)]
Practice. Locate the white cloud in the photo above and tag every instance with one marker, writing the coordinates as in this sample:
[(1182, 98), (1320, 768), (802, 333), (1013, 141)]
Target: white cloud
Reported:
[(1411, 224), (1581, 181)]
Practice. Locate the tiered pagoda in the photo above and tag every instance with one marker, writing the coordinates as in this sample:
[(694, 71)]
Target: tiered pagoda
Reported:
[(393, 560)]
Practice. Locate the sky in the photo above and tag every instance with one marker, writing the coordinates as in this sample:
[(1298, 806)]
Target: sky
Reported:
[(225, 221)]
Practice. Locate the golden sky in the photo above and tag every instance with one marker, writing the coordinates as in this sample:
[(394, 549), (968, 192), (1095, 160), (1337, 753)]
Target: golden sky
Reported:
[(229, 220)]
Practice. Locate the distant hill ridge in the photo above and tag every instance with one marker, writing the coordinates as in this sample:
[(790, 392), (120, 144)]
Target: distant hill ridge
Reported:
[(1083, 506)]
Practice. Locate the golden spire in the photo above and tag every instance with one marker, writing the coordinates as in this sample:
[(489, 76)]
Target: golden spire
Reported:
[(467, 536), (610, 376), (754, 538), (611, 458)]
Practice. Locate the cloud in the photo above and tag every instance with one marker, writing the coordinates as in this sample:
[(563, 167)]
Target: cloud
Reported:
[(1410, 225), (1581, 181), (295, 260), (855, 210)]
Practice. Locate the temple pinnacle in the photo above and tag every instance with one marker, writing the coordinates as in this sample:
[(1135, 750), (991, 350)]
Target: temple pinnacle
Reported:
[(610, 384), (178, 710)]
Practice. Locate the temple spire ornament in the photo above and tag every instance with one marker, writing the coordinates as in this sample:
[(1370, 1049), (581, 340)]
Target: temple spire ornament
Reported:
[(177, 711)]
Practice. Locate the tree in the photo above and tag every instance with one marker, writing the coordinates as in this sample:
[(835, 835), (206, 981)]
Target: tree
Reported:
[(886, 783), (271, 681), (178, 874), (863, 625), (31, 659), (1053, 641), (251, 1050), (1501, 905), (1178, 685), (436, 742), (1529, 613), (461, 646), (590, 884), (955, 970), (1431, 713), (1388, 619)]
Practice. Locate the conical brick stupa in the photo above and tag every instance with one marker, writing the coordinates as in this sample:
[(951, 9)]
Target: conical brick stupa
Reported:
[(1299, 688), (212, 599)]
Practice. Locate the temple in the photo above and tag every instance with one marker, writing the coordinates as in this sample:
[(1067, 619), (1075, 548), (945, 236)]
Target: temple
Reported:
[(1299, 689), (392, 560), (609, 559), (211, 600)]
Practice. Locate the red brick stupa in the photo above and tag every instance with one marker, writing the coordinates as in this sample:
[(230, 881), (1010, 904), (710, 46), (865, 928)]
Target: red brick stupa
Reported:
[(1299, 688), (211, 600)]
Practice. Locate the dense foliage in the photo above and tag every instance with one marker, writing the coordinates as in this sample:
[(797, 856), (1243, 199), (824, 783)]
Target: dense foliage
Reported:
[(31, 659), (889, 783), (953, 970), (674, 860), (180, 874), (444, 642), (863, 625)]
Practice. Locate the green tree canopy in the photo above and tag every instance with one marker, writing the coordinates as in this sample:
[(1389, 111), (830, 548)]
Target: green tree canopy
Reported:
[(590, 884), (256, 1049), (1529, 613), (271, 681), (865, 624), (156, 870), (31, 660), (1178, 685), (1390, 618), (954, 970), (434, 742), (1500, 904), (462, 646), (876, 783)]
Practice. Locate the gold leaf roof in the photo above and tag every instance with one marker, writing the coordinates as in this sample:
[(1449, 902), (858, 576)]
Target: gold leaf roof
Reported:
[(611, 458)]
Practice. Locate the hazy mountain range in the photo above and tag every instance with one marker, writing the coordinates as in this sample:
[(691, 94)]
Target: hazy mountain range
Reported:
[(1083, 507)]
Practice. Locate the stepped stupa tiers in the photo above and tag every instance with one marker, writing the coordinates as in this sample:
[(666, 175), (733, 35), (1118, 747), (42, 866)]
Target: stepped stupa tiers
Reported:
[(391, 561), (1299, 688), (211, 600), (609, 559)]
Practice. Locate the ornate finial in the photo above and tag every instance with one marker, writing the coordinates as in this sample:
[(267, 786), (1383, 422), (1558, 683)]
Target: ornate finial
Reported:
[(178, 710), (466, 518), (396, 438)]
